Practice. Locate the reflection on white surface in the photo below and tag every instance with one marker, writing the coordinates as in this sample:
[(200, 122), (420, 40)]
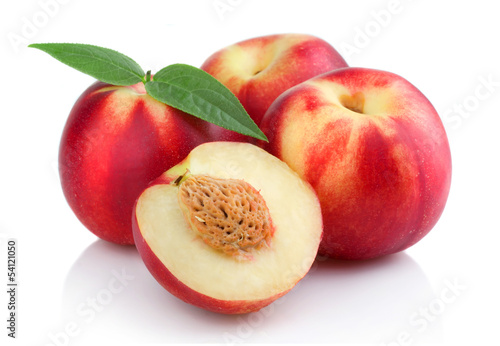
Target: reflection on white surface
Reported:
[(109, 294)]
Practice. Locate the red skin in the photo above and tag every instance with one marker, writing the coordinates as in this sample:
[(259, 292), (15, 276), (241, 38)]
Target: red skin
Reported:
[(114, 143), (382, 181), (296, 59), (165, 278)]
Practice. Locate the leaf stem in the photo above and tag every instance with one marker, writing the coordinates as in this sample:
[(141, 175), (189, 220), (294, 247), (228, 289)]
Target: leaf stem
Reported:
[(148, 77)]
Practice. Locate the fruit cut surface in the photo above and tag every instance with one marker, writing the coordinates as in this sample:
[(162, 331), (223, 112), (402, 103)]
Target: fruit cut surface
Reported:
[(285, 253)]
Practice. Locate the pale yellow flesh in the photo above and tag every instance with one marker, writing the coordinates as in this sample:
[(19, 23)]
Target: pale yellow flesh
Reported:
[(293, 206)]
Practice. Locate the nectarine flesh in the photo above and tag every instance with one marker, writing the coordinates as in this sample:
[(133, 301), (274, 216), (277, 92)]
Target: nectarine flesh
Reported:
[(230, 229)]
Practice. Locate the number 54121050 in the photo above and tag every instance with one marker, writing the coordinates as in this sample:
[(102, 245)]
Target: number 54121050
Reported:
[(11, 260)]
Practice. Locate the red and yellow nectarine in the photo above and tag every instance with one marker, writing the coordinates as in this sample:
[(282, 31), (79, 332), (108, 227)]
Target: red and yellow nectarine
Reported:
[(375, 151), (117, 140), (258, 70)]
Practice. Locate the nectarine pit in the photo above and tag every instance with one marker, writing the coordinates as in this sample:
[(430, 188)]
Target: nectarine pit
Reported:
[(230, 215)]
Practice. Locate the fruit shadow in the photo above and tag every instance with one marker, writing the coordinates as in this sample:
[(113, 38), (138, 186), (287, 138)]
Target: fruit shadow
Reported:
[(109, 293), (372, 301)]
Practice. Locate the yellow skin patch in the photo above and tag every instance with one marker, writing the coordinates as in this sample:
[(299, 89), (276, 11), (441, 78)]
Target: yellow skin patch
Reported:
[(122, 101), (228, 214), (251, 58)]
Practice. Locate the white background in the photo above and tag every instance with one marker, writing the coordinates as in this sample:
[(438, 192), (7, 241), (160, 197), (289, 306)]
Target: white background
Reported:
[(448, 49)]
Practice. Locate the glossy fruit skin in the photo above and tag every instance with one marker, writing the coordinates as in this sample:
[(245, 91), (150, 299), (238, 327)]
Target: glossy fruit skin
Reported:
[(382, 180), (115, 141), (272, 64)]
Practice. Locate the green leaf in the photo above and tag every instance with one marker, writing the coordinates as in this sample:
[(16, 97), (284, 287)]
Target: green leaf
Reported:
[(198, 93), (104, 64)]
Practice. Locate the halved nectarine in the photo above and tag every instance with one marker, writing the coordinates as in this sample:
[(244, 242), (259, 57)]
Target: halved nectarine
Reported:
[(230, 229)]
